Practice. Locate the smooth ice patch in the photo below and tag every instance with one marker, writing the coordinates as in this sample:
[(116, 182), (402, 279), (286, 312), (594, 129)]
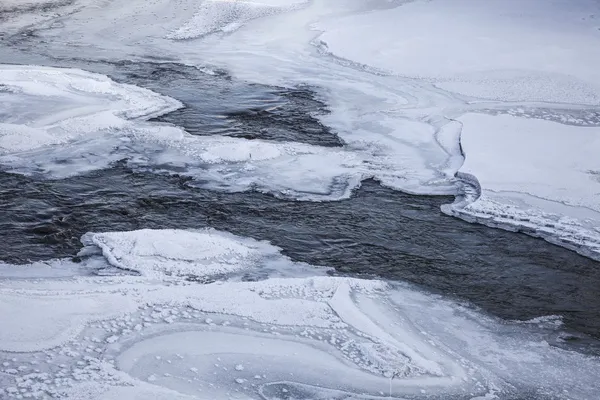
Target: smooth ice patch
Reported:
[(137, 391), (52, 320), (497, 49)]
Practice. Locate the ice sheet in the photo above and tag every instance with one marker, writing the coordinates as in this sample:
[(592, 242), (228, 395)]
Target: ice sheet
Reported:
[(85, 121), (537, 175), (496, 49), (317, 337)]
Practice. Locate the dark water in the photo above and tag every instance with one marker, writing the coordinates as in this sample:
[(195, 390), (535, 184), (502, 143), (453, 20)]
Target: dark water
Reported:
[(377, 232)]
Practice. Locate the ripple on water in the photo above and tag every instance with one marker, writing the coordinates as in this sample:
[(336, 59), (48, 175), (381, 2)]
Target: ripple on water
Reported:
[(377, 232)]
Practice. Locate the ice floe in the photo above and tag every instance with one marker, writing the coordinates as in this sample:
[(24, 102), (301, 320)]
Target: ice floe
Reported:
[(192, 254), (314, 337), (535, 175), (54, 106)]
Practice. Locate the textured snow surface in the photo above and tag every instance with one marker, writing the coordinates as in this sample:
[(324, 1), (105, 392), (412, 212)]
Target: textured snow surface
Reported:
[(226, 16), (167, 337)]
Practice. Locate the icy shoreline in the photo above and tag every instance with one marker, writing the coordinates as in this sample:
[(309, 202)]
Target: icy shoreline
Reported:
[(532, 176), (101, 337)]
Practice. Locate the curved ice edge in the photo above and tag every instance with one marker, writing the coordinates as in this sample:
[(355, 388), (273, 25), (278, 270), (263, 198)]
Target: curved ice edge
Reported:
[(580, 240)]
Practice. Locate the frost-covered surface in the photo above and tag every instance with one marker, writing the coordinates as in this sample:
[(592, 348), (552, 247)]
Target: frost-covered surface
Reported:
[(213, 16), (164, 337), (197, 254)]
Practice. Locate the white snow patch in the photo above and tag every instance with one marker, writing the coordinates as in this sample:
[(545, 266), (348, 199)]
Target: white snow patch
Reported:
[(101, 337), (178, 252)]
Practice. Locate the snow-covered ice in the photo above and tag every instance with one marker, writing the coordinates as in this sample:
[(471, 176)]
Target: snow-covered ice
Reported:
[(92, 337), (192, 254), (84, 121), (218, 15), (536, 175), (202, 253), (497, 49), (44, 107)]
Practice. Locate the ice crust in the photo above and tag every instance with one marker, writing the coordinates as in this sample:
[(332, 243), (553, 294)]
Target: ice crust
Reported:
[(317, 337)]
